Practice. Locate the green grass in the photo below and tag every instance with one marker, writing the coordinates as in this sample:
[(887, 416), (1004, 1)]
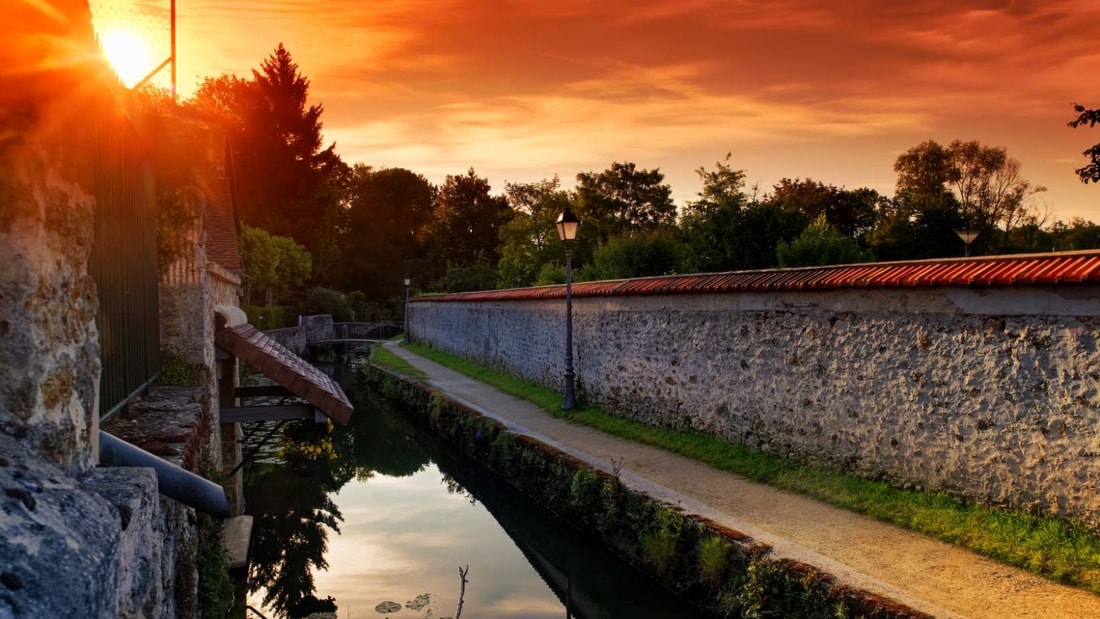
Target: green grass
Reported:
[(382, 357), (1044, 545)]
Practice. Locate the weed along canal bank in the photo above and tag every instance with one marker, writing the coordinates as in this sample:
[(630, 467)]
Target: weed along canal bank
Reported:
[(716, 570)]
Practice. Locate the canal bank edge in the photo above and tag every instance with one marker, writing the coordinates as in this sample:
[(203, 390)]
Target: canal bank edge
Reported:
[(721, 571)]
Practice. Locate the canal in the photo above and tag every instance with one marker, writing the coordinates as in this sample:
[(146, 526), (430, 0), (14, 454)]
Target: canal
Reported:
[(381, 519)]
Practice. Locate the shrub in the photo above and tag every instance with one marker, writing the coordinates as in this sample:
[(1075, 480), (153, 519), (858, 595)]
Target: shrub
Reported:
[(327, 301)]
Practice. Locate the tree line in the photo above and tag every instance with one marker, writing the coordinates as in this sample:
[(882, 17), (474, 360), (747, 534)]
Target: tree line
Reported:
[(363, 229)]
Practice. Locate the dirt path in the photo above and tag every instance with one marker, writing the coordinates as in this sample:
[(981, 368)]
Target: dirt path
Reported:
[(925, 574)]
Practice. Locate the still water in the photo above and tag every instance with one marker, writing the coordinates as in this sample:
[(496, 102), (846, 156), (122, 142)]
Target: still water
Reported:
[(389, 514)]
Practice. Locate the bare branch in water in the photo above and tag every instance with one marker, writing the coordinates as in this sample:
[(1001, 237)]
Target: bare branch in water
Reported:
[(462, 592)]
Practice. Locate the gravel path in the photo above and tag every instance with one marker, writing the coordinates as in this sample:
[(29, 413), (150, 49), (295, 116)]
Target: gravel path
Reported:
[(925, 574)]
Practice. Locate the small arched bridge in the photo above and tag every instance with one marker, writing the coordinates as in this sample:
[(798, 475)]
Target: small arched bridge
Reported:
[(320, 330)]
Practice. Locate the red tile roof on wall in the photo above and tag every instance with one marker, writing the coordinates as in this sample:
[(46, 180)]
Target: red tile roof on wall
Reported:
[(1012, 270), (221, 219)]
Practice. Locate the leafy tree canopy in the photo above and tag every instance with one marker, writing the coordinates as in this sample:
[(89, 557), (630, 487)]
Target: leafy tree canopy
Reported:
[(285, 183), (530, 240), (468, 221), (986, 184), (388, 215), (820, 244), (641, 254), (623, 198), (1091, 171), (273, 265), (728, 230), (851, 212)]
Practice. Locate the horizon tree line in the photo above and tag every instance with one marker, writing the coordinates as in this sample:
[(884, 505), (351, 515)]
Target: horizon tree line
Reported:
[(364, 228)]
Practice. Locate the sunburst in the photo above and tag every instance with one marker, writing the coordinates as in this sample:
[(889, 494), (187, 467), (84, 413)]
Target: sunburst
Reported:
[(128, 54)]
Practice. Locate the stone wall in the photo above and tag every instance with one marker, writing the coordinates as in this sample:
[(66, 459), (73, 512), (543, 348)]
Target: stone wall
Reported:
[(48, 393), (987, 393), (310, 329), (76, 540)]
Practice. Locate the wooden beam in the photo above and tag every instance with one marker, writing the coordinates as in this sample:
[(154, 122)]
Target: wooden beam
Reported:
[(244, 414), (262, 391)]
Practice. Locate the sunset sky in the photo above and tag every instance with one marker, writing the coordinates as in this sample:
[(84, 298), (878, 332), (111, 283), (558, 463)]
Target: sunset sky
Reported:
[(522, 90)]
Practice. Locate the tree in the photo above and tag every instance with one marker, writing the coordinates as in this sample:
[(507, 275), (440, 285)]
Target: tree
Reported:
[(478, 275), (273, 265), (388, 216), (467, 222), (851, 212), (727, 229), (623, 199), (285, 183), (640, 254), (1078, 234), (820, 244), (707, 221), (989, 186), (529, 241), (923, 170), (965, 184), (917, 225), (1091, 171), (724, 185)]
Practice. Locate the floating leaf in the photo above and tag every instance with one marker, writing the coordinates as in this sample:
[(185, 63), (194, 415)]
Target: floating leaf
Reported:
[(419, 602), (387, 607)]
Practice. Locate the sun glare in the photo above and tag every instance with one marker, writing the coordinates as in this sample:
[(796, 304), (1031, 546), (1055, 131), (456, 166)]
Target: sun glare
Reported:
[(128, 55)]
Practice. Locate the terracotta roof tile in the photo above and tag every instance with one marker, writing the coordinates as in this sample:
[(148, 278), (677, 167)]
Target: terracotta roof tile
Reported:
[(1021, 269)]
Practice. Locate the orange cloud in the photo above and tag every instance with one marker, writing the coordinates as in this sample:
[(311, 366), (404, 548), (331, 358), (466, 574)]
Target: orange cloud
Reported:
[(795, 87)]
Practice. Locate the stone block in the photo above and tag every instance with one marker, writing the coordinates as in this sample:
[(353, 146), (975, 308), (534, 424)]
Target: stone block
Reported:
[(60, 543)]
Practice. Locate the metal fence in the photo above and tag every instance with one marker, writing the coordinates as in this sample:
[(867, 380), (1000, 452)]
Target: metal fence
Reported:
[(124, 262)]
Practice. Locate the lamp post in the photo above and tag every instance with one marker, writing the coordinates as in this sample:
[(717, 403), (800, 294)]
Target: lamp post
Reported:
[(408, 281), (567, 231), (967, 235)]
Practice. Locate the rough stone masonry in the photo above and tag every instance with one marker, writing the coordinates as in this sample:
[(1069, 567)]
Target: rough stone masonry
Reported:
[(987, 393)]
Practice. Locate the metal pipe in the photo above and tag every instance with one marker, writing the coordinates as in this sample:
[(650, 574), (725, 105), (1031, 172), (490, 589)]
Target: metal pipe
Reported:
[(172, 481)]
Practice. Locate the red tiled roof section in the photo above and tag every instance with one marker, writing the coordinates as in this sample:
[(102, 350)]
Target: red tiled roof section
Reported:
[(1020, 269), (293, 373), (221, 222)]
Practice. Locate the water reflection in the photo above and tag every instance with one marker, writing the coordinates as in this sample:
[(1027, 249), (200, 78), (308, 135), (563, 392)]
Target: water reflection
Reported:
[(293, 513), (394, 515)]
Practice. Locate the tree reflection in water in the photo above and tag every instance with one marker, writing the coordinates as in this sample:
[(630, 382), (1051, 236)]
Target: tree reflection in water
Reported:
[(290, 499), (294, 516)]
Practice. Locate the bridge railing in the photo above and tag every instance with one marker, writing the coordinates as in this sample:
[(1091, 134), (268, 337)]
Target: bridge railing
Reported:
[(320, 328), (365, 330)]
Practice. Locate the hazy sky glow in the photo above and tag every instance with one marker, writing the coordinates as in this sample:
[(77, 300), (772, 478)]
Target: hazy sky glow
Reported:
[(522, 90)]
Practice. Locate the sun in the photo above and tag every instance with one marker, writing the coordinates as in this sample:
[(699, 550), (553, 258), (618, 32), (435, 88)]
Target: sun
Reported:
[(128, 54)]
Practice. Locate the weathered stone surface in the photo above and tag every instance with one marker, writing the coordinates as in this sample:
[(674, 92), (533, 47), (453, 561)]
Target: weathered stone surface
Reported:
[(60, 543), (168, 422), (921, 387), (49, 359), (133, 494)]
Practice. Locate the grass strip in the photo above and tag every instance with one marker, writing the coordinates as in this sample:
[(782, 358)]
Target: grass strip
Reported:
[(1051, 547), (383, 357)]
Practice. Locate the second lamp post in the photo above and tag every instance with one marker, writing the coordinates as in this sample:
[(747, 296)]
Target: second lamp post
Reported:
[(567, 230), (408, 280)]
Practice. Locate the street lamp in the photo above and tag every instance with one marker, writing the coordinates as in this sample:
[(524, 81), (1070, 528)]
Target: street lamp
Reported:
[(408, 281), (967, 235), (567, 231)]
